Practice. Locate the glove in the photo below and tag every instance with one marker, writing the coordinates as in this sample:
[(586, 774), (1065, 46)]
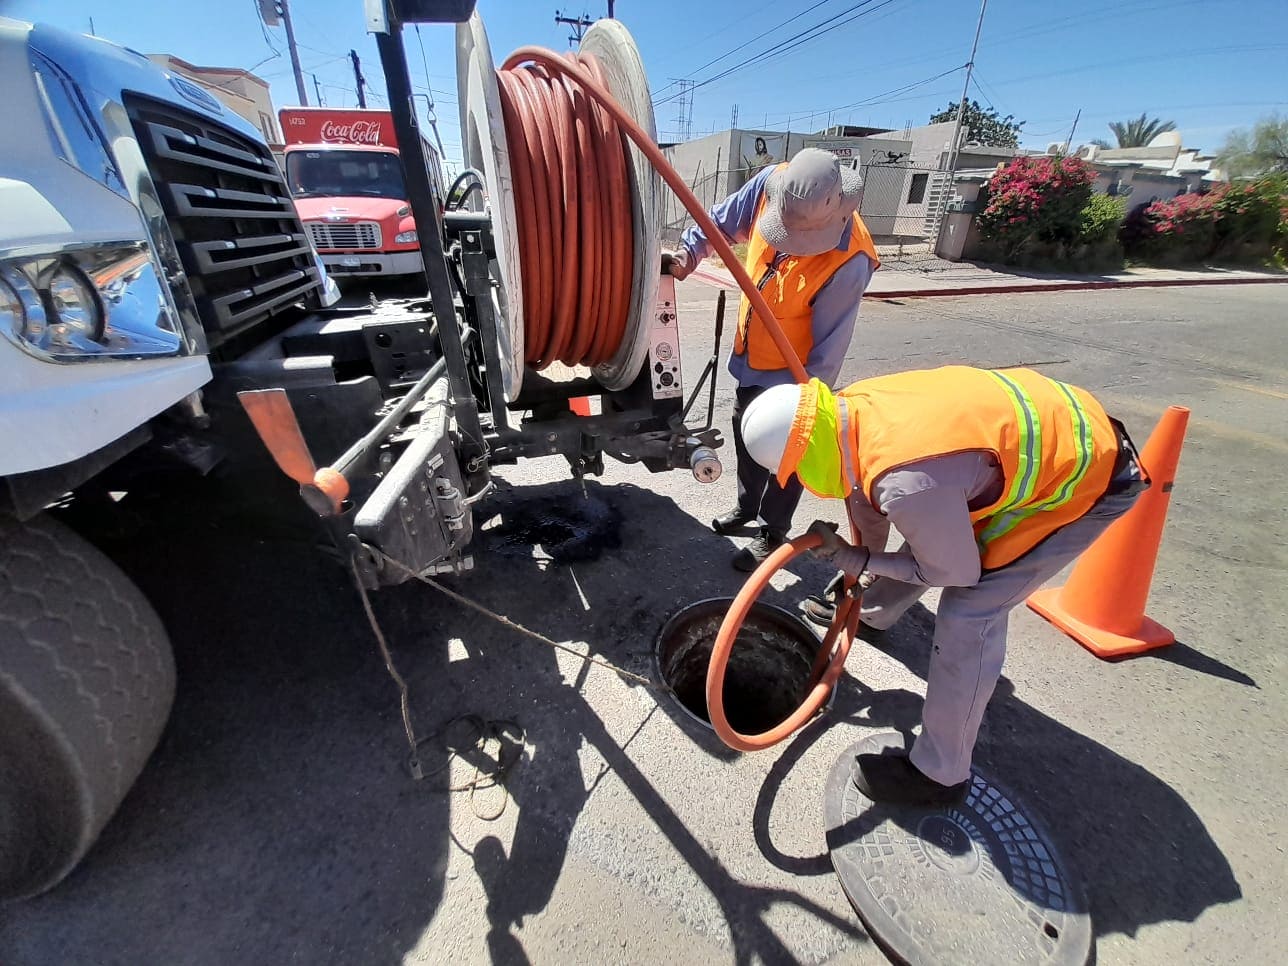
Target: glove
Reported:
[(678, 263), (832, 541)]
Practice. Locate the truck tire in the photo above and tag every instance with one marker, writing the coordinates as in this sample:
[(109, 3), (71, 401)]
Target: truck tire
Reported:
[(86, 683)]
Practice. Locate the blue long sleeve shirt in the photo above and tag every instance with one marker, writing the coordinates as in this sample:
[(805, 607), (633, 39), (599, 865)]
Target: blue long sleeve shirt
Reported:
[(836, 306)]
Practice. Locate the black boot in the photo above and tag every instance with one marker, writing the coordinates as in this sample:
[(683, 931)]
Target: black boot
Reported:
[(753, 555), (893, 778), (728, 524)]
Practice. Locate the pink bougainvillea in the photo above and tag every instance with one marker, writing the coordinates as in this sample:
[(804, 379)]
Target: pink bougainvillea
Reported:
[(1036, 198)]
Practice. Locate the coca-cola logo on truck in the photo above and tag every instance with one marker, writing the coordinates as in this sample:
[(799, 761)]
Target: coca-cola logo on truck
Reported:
[(351, 132)]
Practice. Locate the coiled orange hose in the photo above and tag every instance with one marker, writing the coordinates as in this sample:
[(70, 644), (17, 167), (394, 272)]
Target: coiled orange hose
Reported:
[(840, 636), (572, 191)]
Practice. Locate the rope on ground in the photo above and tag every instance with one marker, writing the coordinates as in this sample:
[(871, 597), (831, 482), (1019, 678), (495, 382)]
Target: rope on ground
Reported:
[(515, 625), (500, 731)]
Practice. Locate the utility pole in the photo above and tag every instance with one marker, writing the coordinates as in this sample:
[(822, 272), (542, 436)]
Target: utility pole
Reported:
[(317, 90), (578, 25), (273, 12), (358, 79), (1068, 145), (284, 9), (955, 146)]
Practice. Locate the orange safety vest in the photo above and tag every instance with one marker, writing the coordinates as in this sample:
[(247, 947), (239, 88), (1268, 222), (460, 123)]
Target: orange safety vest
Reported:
[(1054, 443), (790, 289)]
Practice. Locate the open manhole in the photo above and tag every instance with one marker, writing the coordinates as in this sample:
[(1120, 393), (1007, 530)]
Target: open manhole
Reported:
[(769, 669)]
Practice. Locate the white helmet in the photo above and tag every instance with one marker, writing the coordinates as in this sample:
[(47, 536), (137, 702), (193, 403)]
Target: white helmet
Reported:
[(767, 424)]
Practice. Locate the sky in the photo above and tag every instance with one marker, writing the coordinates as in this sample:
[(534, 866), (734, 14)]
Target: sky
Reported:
[(1208, 65)]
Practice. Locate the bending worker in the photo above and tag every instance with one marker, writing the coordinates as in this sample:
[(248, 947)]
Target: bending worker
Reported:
[(812, 257), (996, 479)]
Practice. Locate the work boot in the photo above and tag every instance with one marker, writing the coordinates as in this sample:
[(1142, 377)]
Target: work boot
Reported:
[(730, 523), (753, 555), (893, 778), (821, 611)]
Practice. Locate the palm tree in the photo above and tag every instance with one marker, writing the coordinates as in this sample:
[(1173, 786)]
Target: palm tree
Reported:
[(1138, 132)]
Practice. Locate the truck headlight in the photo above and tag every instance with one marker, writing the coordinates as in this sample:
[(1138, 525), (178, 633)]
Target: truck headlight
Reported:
[(91, 303), (13, 317), (76, 313), (405, 237)]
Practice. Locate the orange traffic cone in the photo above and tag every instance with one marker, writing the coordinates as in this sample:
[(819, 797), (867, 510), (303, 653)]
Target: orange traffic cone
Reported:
[(1103, 605), (580, 405)]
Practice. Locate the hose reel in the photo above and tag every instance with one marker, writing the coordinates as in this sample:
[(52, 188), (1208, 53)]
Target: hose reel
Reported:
[(576, 207)]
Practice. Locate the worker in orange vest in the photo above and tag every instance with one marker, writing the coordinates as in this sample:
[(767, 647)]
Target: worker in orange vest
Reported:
[(812, 258), (996, 479)]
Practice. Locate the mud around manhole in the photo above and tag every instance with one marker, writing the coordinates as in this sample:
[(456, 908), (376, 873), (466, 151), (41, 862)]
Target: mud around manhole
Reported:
[(572, 530), (769, 669)]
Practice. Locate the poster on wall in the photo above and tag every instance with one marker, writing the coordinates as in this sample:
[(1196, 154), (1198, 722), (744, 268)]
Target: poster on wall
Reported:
[(760, 151)]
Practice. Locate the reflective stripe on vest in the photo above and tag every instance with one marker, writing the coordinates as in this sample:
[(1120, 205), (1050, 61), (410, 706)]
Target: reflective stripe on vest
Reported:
[(1018, 505), (847, 451)]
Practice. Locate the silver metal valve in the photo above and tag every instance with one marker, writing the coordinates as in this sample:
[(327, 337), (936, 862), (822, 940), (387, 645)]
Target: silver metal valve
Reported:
[(705, 464)]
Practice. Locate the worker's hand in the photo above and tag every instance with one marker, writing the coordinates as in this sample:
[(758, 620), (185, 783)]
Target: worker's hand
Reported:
[(678, 263), (832, 541)]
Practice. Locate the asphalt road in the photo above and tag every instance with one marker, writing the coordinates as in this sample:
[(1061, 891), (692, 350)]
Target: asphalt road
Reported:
[(275, 823)]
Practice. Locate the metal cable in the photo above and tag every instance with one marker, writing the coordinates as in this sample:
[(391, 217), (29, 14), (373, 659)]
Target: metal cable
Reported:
[(404, 696), (515, 625)]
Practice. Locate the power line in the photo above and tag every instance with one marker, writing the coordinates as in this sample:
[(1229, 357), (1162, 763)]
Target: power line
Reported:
[(792, 42), (1153, 58), (742, 19), (742, 46), (987, 100), (877, 98)]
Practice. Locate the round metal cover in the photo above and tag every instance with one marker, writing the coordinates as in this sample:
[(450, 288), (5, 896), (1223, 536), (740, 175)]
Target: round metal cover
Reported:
[(980, 882)]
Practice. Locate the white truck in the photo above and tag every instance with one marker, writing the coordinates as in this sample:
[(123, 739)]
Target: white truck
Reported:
[(156, 287)]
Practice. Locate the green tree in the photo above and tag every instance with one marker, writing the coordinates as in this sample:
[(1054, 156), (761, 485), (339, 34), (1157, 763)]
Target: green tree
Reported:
[(1138, 132), (988, 128), (1263, 150), (1099, 142)]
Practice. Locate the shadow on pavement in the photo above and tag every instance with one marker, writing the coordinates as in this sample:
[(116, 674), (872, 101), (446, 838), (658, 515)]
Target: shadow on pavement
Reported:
[(276, 822), (1142, 852), (1182, 655), (644, 537)]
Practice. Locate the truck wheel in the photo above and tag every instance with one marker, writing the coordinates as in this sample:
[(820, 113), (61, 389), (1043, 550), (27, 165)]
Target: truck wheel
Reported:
[(86, 683)]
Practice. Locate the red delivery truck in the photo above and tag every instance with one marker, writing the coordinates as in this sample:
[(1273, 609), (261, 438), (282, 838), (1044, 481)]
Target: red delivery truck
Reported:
[(344, 171)]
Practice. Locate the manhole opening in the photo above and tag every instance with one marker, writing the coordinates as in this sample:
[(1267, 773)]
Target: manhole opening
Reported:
[(769, 670)]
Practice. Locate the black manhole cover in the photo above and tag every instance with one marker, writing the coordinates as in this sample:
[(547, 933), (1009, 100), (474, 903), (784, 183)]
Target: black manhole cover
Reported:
[(769, 668), (980, 882)]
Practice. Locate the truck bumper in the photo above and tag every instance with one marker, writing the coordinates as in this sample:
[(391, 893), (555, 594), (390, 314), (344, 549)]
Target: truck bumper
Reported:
[(351, 264)]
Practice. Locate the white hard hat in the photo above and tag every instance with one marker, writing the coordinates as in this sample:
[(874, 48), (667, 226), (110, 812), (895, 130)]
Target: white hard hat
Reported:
[(767, 424)]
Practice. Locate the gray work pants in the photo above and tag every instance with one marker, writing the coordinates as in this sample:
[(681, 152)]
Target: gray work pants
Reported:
[(970, 637)]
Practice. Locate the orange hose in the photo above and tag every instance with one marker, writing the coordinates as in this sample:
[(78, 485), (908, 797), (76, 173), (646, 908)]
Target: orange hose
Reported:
[(571, 188), (840, 636), (828, 664), (626, 125)]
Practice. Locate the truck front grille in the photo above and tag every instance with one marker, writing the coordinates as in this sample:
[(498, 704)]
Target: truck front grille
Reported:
[(239, 237), (329, 236)]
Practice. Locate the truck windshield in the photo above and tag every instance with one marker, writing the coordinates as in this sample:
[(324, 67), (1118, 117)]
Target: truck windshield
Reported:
[(338, 174)]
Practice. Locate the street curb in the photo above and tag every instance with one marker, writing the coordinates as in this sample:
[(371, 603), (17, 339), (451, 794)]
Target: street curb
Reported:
[(1069, 287), (717, 281)]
